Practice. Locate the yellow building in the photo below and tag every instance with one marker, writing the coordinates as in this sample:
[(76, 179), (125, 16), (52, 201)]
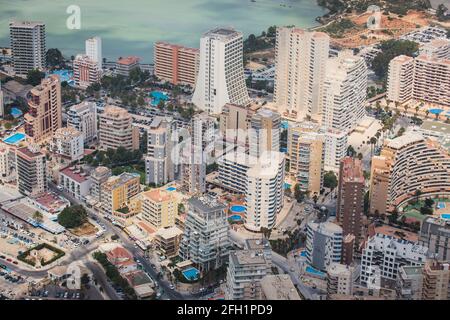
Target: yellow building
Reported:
[(118, 194), (159, 208), (306, 155)]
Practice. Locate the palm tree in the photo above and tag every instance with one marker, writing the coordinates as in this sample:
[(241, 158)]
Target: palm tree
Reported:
[(38, 217), (427, 113)]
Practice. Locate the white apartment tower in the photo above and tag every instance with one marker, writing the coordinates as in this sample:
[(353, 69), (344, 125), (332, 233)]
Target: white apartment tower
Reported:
[(400, 79), (264, 133), (28, 46), (94, 51), (83, 117), (300, 62), (344, 91), (323, 244), (221, 72)]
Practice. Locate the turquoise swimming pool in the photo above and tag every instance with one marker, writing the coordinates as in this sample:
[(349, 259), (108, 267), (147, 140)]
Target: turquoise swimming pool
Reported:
[(445, 216), (15, 138), (315, 272), (440, 205), (158, 96), (236, 218), (237, 209), (171, 189), (16, 112), (191, 274), (436, 111)]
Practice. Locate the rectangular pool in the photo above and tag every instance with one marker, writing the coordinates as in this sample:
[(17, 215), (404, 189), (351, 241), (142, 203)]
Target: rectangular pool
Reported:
[(15, 138), (191, 274)]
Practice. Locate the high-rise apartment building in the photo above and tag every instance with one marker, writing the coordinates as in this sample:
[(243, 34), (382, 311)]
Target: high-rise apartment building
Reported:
[(98, 177), (85, 71), (300, 62), (159, 208), (336, 145), (264, 133), (436, 281), (400, 79), (83, 117), (221, 73), (28, 46), (407, 164), (306, 150), (116, 129), (44, 115), (176, 64), (31, 171), (206, 239), (68, 144), (2, 103), (94, 51), (344, 91), (437, 48), (435, 234), (246, 269), (323, 244), (159, 167), (424, 78), (350, 201), (264, 192)]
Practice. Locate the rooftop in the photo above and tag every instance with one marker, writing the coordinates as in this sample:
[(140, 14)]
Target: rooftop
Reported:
[(279, 287), (169, 233), (206, 204), (75, 174), (158, 195), (248, 257), (128, 60)]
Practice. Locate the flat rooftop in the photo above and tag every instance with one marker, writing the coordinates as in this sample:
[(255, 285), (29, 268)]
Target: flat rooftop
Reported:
[(279, 287), (248, 257)]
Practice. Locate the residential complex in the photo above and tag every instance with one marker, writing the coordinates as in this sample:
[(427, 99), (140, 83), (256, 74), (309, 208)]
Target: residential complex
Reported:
[(300, 62), (406, 164), (176, 64), (44, 115), (28, 45), (115, 129), (221, 73)]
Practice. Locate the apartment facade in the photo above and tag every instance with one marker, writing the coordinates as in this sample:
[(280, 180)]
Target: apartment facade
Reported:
[(435, 234), (350, 201), (75, 182), (344, 91), (159, 208), (176, 64), (340, 279), (406, 164), (44, 115), (28, 46), (31, 171), (85, 71), (94, 51), (116, 129), (221, 72), (264, 133), (125, 65), (323, 244), (206, 239), (300, 64), (83, 117), (117, 192), (68, 143), (400, 80)]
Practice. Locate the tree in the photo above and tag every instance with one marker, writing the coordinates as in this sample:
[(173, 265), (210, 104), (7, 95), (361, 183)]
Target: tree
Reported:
[(34, 77), (54, 58), (330, 180), (72, 217), (429, 202), (417, 194), (351, 151), (299, 194), (315, 198), (38, 217)]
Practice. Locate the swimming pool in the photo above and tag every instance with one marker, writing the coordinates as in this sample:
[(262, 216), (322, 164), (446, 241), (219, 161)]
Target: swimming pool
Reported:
[(436, 111), (158, 96), (315, 272), (64, 75), (445, 216), (236, 218), (303, 254), (15, 138), (287, 186), (440, 205), (16, 112), (171, 189), (191, 274), (284, 124), (237, 209)]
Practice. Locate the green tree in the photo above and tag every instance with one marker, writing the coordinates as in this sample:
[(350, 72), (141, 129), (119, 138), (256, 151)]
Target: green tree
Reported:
[(73, 217), (54, 58), (34, 77), (38, 217), (330, 180)]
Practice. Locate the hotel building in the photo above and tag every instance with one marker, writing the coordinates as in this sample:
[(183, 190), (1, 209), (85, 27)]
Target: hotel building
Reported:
[(221, 73), (44, 115), (407, 164), (300, 64), (176, 64), (31, 171), (116, 129), (83, 117), (85, 71), (27, 46)]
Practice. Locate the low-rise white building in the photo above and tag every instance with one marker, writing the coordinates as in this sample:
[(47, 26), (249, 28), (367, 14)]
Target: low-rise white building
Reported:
[(68, 143), (75, 182)]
